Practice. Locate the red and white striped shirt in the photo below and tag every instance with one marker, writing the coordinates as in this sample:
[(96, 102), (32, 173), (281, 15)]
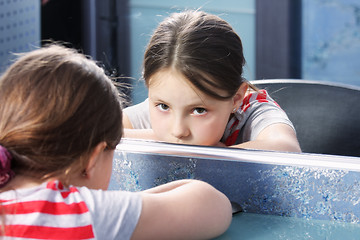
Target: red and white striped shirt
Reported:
[(51, 211)]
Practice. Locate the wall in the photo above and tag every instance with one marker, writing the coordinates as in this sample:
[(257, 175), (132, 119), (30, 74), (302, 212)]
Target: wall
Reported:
[(19, 28), (331, 40)]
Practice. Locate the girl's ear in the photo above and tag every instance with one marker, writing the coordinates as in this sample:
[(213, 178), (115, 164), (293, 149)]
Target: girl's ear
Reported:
[(239, 95), (94, 157)]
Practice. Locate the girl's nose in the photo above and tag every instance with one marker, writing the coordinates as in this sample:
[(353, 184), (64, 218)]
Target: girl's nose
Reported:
[(180, 129)]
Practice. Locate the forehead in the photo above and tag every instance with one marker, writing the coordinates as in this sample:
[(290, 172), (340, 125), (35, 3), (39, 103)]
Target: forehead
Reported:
[(173, 82), (162, 77), (202, 82), (170, 85)]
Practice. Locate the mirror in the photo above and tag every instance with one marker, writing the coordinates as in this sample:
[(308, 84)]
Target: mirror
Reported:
[(309, 186), (116, 32)]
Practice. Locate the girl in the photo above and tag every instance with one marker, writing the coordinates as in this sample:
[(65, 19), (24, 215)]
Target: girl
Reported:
[(58, 131), (193, 68)]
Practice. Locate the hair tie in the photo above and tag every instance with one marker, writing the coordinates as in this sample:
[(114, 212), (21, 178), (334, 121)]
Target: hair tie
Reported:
[(6, 174)]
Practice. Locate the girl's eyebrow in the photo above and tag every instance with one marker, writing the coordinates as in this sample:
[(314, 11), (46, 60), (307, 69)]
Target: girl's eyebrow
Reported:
[(156, 98), (196, 104), (199, 105)]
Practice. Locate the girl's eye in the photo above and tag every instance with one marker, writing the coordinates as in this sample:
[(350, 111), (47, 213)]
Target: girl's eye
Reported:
[(199, 111), (162, 107)]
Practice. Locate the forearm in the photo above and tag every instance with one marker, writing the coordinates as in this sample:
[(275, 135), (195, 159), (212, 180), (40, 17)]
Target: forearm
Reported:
[(284, 146), (276, 137), (211, 211), (139, 134), (190, 209), (168, 186)]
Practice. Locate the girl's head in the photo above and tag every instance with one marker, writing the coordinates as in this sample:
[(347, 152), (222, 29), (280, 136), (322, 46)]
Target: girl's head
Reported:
[(56, 107), (203, 51), (202, 47)]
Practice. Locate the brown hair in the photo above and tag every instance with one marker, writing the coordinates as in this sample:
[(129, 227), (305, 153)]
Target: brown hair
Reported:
[(202, 47), (56, 106)]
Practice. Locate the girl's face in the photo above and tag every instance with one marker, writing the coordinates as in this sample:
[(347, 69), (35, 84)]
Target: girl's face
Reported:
[(180, 113)]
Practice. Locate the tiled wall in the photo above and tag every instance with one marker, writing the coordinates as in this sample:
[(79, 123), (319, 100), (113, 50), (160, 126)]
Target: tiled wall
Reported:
[(19, 28)]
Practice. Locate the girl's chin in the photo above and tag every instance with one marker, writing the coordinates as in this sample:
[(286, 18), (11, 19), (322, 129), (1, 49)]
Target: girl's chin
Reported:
[(200, 143)]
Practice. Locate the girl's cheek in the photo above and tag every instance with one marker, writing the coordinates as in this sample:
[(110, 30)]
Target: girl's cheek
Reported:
[(211, 132), (159, 120)]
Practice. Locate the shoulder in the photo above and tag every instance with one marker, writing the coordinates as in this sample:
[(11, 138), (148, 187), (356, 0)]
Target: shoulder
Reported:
[(115, 214), (108, 199), (257, 111), (258, 98), (138, 115), (143, 106)]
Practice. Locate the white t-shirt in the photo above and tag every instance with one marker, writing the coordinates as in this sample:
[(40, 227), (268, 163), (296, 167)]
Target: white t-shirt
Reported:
[(51, 211), (258, 110)]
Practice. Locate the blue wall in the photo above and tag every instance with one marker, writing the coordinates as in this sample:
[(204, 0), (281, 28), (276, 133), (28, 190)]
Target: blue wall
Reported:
[(331, 40)]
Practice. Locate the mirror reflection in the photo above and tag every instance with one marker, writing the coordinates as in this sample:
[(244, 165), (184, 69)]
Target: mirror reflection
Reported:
[(193, 69), (300, 55)]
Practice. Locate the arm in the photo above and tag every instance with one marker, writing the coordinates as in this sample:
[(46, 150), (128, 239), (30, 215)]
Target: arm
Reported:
[(130, 132), (277, 137), (184, 209), (140, 134)]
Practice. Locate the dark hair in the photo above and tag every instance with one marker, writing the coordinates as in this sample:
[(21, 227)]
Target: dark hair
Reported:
[(202, 47), (56, 106)]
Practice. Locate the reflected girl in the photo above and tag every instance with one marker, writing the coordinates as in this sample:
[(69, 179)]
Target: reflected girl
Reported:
[(193, 69)]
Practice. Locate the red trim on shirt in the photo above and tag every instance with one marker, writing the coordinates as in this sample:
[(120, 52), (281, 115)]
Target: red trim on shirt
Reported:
[(245, 104), (56, 186), (232, 138), (262, 96), (67, 193)]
